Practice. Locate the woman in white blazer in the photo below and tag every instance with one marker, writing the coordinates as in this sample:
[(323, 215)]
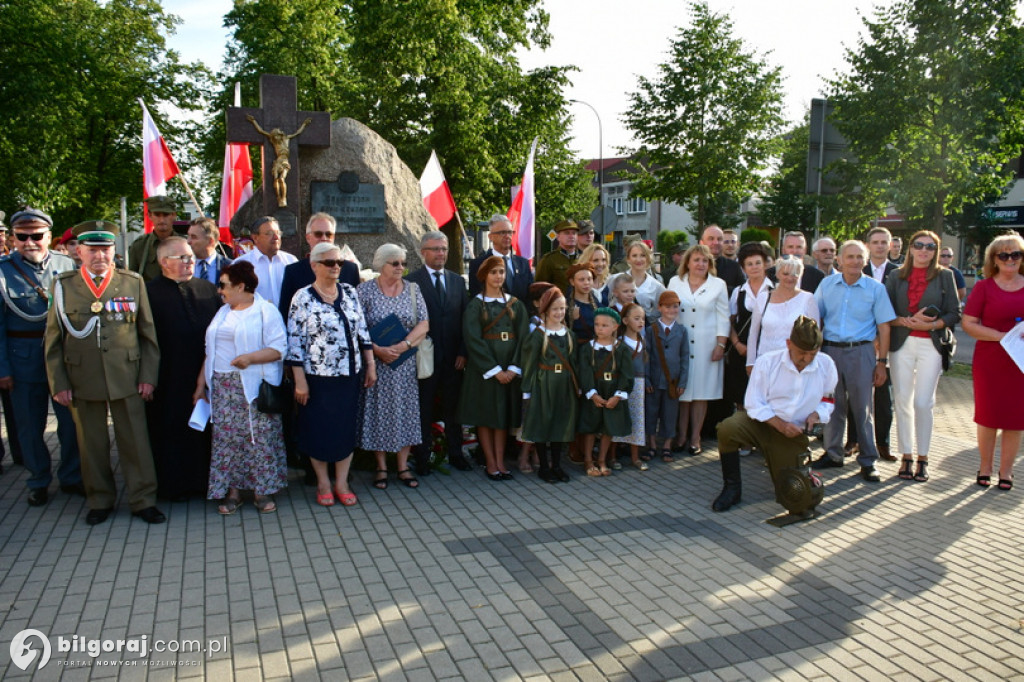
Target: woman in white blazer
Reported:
[(704, 311)]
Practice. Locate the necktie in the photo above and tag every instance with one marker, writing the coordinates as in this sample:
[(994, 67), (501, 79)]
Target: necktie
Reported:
[(439, 287), (97, 280), (202, 269), (508, 273)]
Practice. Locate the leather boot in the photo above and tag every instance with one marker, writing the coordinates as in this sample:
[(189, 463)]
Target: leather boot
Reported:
[(557, 474), (730, 494), (544, 472)]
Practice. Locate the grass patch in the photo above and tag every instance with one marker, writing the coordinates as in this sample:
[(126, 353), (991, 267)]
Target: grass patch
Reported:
[(959, 370)]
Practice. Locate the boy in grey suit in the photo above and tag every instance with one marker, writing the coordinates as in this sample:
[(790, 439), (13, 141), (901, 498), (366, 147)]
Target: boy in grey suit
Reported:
[(668, 345)]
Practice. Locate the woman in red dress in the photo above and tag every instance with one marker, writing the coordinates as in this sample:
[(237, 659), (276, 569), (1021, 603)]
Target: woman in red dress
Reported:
[(994, 307)]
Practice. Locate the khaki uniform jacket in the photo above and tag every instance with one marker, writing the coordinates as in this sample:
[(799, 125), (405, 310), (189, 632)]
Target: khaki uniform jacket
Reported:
[(142, 256), (127, 353)]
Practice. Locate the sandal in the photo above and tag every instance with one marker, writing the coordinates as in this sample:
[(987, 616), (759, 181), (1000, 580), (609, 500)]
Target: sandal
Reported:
[(605, 471), (325, 499), (667, 457), (1005, 484), (380, 482), (906, 472), (649, 455), (984, 481), (921, 475), (265, 505), (346, 499), (641, 465), (594, 471), (229, 506), (409, 481)]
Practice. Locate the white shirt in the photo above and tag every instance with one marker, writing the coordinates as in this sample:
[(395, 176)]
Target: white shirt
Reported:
[(270, 272), (433, 280), (878, 271), (777, 389), (770, 326)]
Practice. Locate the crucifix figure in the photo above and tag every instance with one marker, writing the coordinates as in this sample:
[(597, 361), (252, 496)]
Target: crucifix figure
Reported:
[(266, 125)]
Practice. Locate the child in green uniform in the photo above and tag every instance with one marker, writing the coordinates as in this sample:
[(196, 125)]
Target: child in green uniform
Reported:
[(606, 378), (493, 328), (550, 386), (634, 326)]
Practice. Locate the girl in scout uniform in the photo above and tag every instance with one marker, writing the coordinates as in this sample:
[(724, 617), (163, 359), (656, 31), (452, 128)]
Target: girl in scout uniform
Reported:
[(527, 455), (606, 377), (494, 326), (550, 386), (634, 322)]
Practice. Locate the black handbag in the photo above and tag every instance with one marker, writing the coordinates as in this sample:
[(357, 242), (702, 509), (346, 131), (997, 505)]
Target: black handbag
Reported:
[(273, 399)]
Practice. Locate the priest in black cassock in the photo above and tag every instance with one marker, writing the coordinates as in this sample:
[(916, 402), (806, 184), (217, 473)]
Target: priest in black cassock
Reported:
[(182, 310)]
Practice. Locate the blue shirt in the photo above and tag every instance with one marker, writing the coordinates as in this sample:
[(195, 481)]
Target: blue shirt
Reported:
[(852, 312)]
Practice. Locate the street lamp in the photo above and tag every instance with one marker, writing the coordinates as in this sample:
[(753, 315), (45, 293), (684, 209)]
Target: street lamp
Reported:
[(600, 167)]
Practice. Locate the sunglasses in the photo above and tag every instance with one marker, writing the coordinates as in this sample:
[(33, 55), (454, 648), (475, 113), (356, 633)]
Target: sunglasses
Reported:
[(396, 263), (322, 235), (1011, 255), (925, 246), (331, 263), (223, 285), (945, 255), (35, 236)]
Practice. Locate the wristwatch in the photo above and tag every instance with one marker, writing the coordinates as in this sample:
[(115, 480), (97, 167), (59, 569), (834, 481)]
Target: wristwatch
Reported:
[(883, 361), (407, 344)]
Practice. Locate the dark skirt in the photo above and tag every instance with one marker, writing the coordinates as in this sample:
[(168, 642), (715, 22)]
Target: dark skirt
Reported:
[(326, 424)]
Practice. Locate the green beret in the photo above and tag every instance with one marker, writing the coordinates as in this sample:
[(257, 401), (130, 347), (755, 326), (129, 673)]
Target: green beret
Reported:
[(161, 204), (566, 225), (609, 312), (95, 232), (805, 334)]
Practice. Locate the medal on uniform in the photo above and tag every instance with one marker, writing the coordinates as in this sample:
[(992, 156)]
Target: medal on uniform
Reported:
[(97, 291), (96, 306)]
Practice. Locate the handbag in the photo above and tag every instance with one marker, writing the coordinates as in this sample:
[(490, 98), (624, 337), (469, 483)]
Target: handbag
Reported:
[(947, 340), (273, 399), (425, 348)]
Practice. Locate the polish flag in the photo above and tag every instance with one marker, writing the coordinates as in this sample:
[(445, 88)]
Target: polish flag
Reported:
[(237, 186), (157, 163), (522, 214), (436, 196)]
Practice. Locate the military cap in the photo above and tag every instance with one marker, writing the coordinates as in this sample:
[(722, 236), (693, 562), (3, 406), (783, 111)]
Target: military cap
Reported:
[(805, 334), (566, 225), (586, 226), (95, 232), (630, 238), (161, 204), (28, 215), (67, 236), (678, 247)]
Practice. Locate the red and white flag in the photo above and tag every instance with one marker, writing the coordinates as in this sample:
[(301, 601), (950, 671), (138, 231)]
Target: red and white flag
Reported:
[(436, 195), (158, 165), (236, 188), (522, 214)]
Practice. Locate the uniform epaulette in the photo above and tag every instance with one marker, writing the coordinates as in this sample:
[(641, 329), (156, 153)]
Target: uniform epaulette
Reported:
[(131, 273), (66, 274)]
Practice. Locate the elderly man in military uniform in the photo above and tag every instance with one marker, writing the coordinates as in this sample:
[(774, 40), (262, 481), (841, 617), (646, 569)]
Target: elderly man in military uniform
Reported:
[(142, 252), (553, 265), (25, 281), (101, 350)]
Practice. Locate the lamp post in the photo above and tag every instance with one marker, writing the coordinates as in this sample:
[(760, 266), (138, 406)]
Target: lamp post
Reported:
[(600, 167)]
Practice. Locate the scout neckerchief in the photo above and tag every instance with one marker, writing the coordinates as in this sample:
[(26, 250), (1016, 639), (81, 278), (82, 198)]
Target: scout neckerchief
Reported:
[(97, 291)]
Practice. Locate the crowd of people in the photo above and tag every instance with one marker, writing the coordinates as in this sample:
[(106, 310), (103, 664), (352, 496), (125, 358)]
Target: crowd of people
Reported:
[(214, 373)]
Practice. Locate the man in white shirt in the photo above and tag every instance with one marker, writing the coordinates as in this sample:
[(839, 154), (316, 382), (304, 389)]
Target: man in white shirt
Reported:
[(790, 391), (267, 258)]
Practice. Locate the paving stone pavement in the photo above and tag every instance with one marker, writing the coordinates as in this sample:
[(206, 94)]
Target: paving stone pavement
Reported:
[(631, 577)]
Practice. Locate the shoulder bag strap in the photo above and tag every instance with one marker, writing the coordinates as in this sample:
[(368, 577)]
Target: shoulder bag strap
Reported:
[(673, 391), (504, 311)]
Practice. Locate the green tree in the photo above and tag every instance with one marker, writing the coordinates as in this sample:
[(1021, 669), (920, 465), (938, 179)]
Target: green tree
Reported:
[(71, 126), (707, 123), (932, 107), (785, 203)]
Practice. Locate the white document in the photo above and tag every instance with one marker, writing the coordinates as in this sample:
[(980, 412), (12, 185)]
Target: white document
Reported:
[(200, 415), (1013, 342)]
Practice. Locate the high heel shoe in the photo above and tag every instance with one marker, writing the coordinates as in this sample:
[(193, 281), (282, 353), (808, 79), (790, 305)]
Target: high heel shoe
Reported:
[(921, 475), (906, 471), (984, 481), (1005, 484)]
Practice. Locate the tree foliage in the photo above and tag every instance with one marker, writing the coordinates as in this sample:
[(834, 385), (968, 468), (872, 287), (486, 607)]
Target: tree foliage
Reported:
[(932, 108), (707, 123), (71, 127), (785, 202), (425, 75)]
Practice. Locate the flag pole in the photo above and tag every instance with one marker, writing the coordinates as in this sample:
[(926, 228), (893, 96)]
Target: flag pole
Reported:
[(181, 176)]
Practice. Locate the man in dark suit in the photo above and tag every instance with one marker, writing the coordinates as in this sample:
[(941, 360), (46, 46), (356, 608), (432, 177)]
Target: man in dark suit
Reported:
[(729, 270), (795, 244), (321, 227), (204, 239), (518, 276), (445, 294)]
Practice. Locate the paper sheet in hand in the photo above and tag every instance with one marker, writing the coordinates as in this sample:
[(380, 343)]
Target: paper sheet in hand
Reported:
[(1013, 342), (388, 332), (200, 415)]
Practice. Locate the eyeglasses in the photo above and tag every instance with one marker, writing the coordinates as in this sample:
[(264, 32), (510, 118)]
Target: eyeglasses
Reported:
[(945, 255), (397, 263), (322, 235), (185, 258), (926, 246), (501, 233), (435, 248), (827, 250), (35, 236), (331, 263), (222, 284), (1010, 255)]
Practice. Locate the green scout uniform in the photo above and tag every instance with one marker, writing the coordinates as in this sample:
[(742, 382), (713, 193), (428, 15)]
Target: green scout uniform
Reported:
[(548, 378), (105, 367), (142, 256), (552, 268), (494, 337), (608, 373)]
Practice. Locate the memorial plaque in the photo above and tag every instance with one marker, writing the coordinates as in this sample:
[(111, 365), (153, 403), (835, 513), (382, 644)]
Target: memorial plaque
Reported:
[(358, 207)]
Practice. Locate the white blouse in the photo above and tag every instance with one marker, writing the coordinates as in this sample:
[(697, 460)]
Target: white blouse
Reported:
[(771, 326)]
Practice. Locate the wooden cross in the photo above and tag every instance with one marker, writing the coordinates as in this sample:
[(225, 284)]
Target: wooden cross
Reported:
[(279, 120)]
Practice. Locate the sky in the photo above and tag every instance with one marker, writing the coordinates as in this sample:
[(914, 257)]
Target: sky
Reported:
[(613, 41)]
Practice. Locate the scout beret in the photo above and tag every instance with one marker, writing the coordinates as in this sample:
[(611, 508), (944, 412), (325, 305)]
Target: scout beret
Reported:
[(67, 236), (95, 232), (805, 334), (577, 268), (668, 298), (566, 225), (28, 215), (488, 265), (547, 299), (586, 226), (161, 204), (609, 312), (537, 290)]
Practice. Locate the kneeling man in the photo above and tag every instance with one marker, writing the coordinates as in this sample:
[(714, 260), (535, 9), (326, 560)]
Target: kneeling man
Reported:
[(789, 392)]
